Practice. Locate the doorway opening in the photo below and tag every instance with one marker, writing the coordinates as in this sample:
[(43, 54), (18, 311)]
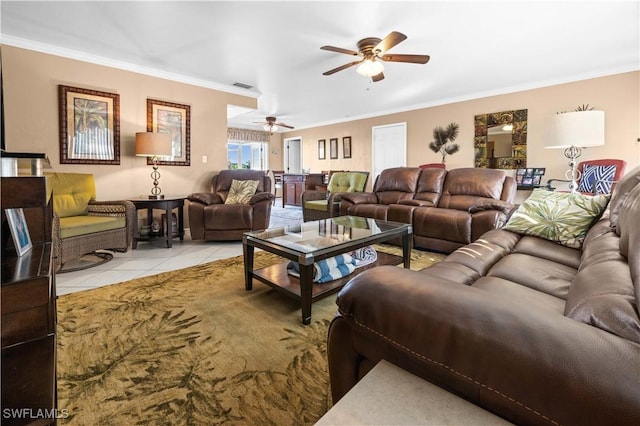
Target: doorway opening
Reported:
[(293, 155)]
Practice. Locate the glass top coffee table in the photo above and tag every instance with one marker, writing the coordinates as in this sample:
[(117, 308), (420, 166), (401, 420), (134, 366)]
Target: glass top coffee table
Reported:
[(313, 241)]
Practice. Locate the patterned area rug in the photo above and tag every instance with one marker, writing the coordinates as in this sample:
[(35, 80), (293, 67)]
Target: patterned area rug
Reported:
[(284, 216), (193, 347)]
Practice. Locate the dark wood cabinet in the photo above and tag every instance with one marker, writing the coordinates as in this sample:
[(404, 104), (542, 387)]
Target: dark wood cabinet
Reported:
[(295, 184), (28, 304)]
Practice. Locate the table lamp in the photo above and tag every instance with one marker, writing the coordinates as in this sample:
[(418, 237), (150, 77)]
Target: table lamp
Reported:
[(573, 131), (154, 145)]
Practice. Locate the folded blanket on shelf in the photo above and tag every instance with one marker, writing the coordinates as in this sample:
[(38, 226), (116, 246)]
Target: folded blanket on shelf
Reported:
[(364, 256), (327, 269)]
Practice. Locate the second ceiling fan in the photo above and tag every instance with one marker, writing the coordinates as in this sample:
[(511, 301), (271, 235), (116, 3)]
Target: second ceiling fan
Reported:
[(271, 126), (372, 50)]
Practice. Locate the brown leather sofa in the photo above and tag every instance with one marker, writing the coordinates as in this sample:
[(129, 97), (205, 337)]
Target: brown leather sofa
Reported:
[(211, 219), (447, 209), (533, 331)]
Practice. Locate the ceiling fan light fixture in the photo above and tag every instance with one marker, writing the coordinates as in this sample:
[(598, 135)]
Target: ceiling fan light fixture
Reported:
[(270, 127), (370, 67)]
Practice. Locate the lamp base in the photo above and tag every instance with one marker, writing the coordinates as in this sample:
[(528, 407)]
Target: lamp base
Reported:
[(573, 174), (156, 197)]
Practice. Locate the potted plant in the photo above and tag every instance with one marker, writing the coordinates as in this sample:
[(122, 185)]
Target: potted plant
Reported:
[(443, 140)]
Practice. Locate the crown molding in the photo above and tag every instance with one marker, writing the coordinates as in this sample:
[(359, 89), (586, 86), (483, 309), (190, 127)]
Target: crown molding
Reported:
[(479, 95), (121, 65), (99, 60)]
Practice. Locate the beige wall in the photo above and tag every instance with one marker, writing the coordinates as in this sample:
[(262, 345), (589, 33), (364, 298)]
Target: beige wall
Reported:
[(276, 157), (31, 113), (31, 80), (617, 95)]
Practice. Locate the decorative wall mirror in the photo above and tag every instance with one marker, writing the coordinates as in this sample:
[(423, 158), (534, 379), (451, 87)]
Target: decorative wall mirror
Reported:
[(500, 140)]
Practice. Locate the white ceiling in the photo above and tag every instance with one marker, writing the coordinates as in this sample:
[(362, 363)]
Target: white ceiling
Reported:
[(477, 48)]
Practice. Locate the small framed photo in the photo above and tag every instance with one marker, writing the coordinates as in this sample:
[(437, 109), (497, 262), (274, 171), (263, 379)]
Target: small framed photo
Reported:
[(19, 230), (89, 126), (333, 148), (322, 149), (530, 176), (346, 147), (537, 175), (174, 119)]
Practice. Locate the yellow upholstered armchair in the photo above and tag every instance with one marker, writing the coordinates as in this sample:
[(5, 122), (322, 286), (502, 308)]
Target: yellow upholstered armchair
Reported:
[(82, 225), (321, 205)]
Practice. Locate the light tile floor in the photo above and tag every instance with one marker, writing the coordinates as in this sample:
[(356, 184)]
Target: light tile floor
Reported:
[(154, 257)]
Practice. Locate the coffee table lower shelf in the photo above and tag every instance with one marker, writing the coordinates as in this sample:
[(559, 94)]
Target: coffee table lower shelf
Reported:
[(276, 276)]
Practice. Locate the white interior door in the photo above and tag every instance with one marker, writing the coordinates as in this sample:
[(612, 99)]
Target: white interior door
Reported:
[(293, 155), (389, 147)]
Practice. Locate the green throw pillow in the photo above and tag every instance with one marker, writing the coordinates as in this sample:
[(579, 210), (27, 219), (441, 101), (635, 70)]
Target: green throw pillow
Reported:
[(560, 217), (241, 191)]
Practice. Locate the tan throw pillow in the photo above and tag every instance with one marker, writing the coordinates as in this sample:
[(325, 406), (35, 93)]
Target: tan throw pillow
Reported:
[(241, 191)]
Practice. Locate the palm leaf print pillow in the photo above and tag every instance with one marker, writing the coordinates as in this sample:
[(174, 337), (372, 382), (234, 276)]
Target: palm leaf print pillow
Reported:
[(560, 217)]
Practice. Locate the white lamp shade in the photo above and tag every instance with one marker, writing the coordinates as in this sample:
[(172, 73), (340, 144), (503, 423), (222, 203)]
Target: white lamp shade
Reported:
[(153, 144), (370, 67), (579, 128)]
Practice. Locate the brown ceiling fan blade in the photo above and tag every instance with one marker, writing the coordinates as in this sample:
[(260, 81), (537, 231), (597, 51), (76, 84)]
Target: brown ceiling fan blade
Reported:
[(340, 50), (340, 68), (414, 59), (393, 39), (284, 125), (377, 77)]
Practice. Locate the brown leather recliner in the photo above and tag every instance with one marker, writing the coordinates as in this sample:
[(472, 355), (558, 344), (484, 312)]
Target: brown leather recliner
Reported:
[(211, 219), (446, 208), (472, 202), (534, 331), (390, 187)]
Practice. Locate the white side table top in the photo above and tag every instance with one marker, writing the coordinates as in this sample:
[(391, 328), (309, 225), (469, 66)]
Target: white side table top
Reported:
[(389, 395)]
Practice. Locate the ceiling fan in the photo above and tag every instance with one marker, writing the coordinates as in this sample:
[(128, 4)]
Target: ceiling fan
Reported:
[(271, 126), (372, 50)]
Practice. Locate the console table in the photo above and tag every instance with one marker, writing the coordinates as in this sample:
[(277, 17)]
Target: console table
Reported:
[(293, 185), (28, 307)]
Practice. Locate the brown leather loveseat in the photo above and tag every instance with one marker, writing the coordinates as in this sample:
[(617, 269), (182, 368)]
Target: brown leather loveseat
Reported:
[(211, 219), (532, 330), (446, 208)]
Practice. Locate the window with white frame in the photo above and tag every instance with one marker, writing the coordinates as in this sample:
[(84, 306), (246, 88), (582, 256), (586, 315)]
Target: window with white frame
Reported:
[(247, 149)]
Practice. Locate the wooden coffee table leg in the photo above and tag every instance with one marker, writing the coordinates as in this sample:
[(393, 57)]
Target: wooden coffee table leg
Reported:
[(306, 286), (247, 251), (406, 250)]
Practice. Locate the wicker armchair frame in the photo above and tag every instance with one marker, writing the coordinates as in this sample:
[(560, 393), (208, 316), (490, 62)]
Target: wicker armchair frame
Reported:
[(119, 240)]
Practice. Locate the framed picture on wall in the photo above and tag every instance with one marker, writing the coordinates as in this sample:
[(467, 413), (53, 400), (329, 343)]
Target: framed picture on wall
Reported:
[(333, 148), (89, 126), (321, 149), (175, 119), (346, 147)]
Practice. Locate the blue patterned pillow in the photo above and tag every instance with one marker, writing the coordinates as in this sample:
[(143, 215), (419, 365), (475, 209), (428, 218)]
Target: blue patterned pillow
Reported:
[(601, 176)]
